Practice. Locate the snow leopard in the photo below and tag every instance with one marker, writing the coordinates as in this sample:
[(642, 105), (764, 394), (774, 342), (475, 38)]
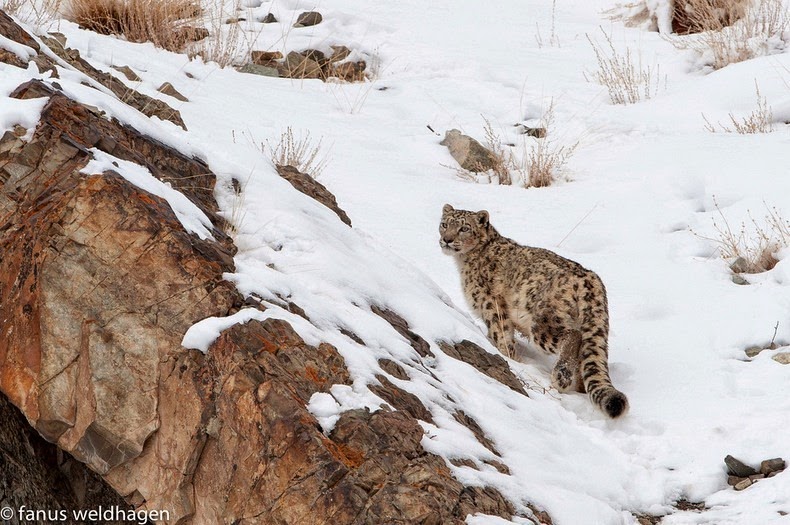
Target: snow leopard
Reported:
[(554, 302)]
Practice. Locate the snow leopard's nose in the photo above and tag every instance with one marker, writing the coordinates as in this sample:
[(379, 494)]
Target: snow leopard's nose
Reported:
[(447, 239)]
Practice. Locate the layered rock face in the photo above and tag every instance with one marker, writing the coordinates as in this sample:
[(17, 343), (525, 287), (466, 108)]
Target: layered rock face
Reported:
[(99, 283)]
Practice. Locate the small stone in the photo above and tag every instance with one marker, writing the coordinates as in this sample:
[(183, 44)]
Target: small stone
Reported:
[(168, 89), (315, 55), (469, 153), (772, 465), (269, 19), (736, 467), (739, 265), (128, 73), (734, 480), (756, 477), (782, 358), (255, 69), (745, 484), (538, 133), (265, 58), (308, 18), (339, 53), (298, 66), (235, 20), (19, 131), (349, 71), (753, 351), (739, 279)]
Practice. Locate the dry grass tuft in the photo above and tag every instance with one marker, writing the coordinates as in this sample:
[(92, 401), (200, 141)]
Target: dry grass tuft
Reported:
[(34, 12), (169, 24), (541, 159), (626, 81), (758, 121), (299, 153), (754, 249), (734, 30)]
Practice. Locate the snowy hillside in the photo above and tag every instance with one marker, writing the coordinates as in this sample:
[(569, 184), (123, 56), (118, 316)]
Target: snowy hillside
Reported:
[(638, 202)]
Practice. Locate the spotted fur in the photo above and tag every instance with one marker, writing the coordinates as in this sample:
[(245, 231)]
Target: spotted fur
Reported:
[(557, 303)]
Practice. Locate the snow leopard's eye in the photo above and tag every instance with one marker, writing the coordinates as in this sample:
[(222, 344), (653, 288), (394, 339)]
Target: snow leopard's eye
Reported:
[(464, 228), (443, 225)]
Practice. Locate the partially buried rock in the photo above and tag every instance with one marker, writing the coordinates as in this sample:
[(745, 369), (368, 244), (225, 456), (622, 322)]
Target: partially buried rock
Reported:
[(168, 89), (255, 69), (266, 58), (743, 484), (469, 153), (269, 19), (782, 358), (738, 468), (128, 73), (349, 71), (308, 18), (298, 66), (770, 466)]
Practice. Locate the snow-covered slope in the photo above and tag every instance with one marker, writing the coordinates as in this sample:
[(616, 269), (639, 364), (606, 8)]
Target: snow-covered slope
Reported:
[(636, 205)]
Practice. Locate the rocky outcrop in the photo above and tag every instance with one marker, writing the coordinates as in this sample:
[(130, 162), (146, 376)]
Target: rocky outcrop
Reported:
[(312, 188), (38, 475), (100, 283)]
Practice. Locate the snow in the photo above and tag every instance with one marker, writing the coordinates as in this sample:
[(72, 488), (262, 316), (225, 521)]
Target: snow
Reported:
[(636, 204)]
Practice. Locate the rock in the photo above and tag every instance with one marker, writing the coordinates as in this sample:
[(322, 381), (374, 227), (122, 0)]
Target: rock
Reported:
[(266, 58), (255, 69), (308, 18), (770, 466), (782, 358), (316, 56), (151, 107), (400, 325), (753, 351), (734, 480), (10, 29), (470, 154), (312, 188), (339, 53), (736, 467), (128, 73), (168, 89), (298, 66), (739, 280), (756, 477), (349, 71), (38, 475), (744, 484), (739, 265), (269, 19), (399, 399), (188, 34), (492, 365), (538, 133)]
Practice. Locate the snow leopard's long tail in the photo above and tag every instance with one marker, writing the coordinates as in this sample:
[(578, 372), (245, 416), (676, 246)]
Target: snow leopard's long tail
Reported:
[(594, 370)]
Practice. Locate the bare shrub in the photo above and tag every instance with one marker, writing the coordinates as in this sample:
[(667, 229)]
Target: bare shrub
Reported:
[(32, 12), (541, 158), (758, 121), (696, 16), (752, 249), (224, 43), (299, 153), (626, 81), (740, 31), (168, 24)]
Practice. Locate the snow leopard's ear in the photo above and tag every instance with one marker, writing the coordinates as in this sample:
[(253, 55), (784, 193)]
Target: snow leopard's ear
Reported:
[(482, 218), (447, 208)]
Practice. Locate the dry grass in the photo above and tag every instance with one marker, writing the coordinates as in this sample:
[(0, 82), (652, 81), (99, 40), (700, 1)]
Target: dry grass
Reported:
[(733, 30), (541, 159), (34, 12), (758, 121), (300, 153), (627, 81), (168, 24), (224, 44), (752, 249)]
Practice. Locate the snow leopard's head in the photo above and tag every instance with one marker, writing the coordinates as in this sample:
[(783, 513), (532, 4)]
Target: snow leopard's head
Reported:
[(462, 231)]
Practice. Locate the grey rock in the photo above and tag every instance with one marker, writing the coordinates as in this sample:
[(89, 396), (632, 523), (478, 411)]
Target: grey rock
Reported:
[(739, 280), (739, 265), (308, 18), (255, 69), (770, 466), (469, 153), (297, 65), (782, 358), (269, 19), (756, 477), (738, 468), (753, 351)]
